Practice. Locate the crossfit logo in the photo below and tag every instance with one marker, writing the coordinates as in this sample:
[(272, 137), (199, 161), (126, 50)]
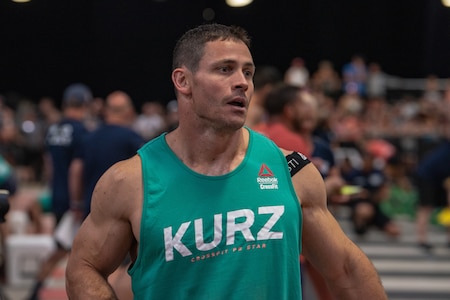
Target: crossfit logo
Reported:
[(266, 179)]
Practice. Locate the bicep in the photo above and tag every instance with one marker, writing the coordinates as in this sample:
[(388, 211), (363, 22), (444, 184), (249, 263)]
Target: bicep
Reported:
[(105, 236), (98, 246), (324, 243)]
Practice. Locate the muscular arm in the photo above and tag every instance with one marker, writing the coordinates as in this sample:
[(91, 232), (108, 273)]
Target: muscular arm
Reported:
[(347, 270), (106, 235)]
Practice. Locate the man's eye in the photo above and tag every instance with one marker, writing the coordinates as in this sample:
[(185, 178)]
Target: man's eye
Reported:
[(248, 73)]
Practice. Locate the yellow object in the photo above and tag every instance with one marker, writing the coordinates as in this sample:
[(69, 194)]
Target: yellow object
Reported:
[(443, 217), (350, 190)]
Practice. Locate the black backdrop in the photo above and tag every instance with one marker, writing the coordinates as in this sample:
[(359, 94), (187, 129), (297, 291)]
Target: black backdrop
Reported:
[(127, 44)]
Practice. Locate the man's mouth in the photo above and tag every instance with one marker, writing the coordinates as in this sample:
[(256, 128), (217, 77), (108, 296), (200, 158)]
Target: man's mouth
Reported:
[(239, 102)]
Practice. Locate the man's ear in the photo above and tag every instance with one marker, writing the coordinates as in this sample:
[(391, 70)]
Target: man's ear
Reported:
[(180, 81)]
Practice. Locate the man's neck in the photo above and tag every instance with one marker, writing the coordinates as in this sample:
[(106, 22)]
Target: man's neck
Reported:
[(209, 153), (74, 113)]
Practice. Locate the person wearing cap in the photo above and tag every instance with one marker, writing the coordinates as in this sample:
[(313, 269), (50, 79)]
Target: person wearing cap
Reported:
[(64, 144)]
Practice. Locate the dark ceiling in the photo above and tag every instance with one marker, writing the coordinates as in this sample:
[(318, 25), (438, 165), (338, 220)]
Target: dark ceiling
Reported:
[(118, 44)]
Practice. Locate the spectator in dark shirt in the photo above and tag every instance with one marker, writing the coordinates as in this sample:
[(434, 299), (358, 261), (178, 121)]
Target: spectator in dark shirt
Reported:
[(113, 141)]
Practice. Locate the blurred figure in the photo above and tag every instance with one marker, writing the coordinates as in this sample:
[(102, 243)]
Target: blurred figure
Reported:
[(354, 75), (326, 80), (25, 215), (403, 196), (10, 147), (432, 92), (48, 112), (32, 138), (7, 182), (94, 117), (113, 141), (282, 105), (446, 95), (321, 153), (346, 122), (64, 144), (7, 127), (377, 81), (432, 174), (64, 141), (288, 119), (266, 77), (151, 121), (297, 74), (350, 102), (371, 188), (377, 118)]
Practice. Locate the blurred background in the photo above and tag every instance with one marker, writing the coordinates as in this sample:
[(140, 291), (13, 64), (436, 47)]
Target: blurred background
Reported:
[(378, 71), (111, 44)]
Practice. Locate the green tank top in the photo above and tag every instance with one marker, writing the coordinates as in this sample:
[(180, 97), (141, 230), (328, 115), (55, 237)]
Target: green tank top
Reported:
[(234, 236)]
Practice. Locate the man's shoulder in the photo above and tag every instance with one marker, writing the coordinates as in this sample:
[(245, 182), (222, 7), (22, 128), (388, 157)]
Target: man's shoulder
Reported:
[(122, 181), (126, 170)]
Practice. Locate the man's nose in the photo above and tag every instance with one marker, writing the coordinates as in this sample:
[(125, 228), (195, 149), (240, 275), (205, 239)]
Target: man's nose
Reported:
[(241, 81)]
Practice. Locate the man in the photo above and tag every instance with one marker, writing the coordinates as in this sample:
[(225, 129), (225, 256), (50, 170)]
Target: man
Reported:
[(209, 211), (63, 142), (113, 141), (432, 180), (283, 106), (292, 118), (265, 78)]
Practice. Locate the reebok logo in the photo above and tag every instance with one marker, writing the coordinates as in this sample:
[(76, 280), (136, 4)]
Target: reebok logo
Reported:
[(266, 178), (264, 171)]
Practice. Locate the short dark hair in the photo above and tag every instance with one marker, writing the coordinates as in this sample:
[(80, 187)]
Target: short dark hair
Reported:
[(189, 49), (280, 96)]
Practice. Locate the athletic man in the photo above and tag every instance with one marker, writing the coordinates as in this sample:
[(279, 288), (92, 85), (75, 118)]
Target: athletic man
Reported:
[(209, 210)]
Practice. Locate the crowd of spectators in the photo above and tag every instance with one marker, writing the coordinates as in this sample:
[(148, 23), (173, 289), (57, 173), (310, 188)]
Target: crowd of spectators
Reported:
[(379, 128), (24, 123), (358, 106), (365, 133)]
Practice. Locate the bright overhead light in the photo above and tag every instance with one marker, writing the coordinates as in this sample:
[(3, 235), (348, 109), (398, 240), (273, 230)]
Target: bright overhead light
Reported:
[(21, 1), (446, 3), (238, 3)]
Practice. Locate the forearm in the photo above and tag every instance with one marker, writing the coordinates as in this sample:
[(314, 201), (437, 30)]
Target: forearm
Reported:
[(85, 283), (75, 182), (359, 280)]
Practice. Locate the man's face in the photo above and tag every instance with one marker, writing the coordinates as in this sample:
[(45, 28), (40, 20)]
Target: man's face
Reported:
[(223, 84)]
